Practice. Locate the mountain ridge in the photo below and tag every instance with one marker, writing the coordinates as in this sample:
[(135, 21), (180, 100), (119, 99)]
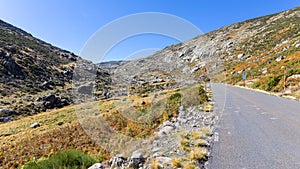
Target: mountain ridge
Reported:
[(229, 49), (35, 75)]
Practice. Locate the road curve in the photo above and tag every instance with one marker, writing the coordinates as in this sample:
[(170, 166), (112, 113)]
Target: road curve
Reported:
[(255, 130)]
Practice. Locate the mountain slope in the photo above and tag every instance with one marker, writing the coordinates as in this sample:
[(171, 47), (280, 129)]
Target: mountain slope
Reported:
[(250, 47), (34, 75)]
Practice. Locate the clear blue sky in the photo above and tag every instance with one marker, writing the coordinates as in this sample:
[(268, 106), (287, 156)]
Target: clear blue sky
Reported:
[(69, 23)]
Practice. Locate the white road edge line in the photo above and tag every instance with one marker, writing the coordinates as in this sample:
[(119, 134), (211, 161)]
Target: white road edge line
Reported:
[(216, 137)]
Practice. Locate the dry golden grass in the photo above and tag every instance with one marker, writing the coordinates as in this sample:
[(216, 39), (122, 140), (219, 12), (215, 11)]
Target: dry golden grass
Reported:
[(177, 163), (189, 166), (61, 129), (198, 154), (206, 131), (154, 164)]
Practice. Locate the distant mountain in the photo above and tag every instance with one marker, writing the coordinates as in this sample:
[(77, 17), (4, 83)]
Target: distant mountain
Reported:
[(258, 48), (34, 75)]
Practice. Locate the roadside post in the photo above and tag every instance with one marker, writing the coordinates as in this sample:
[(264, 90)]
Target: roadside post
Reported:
[(284, 78)]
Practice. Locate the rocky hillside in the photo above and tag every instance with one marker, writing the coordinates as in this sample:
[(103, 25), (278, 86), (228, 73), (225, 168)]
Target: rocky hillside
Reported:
[(34, 75), (258, 47)]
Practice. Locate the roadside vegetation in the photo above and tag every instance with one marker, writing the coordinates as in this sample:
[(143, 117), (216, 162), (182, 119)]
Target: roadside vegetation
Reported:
[(69, 159), (61, 130)]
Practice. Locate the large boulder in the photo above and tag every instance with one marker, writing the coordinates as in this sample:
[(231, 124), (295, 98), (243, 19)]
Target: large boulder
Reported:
[(137, 159), (117, 161), (51, 101), (86, 88)]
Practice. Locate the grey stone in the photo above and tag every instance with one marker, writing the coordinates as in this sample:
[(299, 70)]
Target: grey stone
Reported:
[(85, 89), (137, 159), (117, 161), (96, 166), (47, 85), (156, 155), (7, 112), (6, 119), (168, 123), (35, 125), (240, 56), (265, 71), (280, 58), (164, 160)]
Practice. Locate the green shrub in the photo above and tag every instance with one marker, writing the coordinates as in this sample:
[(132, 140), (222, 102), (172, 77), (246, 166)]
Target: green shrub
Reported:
[(69, 159), (173, 104), (175, 96), (271, 82), (255, 85), (202, 95)]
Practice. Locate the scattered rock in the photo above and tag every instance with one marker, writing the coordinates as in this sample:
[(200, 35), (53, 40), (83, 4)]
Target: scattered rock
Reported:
[(117, 161), (294, 77), (157, 81), (50, 101), (96, 166), (265, 70), (181, 109), (240, 71), (6, 119), (240, 56), (47, 85), (85, 89), (35, 125), (6, 115), (156, 155), (280, 58), (137, 159), (165, 131), (7, 112), (168, 123), (164, 160), (107, 95), (195, 69)]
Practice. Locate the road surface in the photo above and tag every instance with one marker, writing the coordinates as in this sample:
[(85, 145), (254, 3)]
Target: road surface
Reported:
[(255, 130)]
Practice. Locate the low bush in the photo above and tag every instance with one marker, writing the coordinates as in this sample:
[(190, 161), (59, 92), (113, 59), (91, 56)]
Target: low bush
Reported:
[(198, 154), (69, 159), (173, 104), (202, 95), (271, 83)]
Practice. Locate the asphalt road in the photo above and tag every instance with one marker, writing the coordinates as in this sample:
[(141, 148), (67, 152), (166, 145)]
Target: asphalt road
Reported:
[(255, 130)]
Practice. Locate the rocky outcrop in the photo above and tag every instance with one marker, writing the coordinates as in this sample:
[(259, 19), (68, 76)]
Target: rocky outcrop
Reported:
[(31, 68), (192, 124), (6, 115)]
